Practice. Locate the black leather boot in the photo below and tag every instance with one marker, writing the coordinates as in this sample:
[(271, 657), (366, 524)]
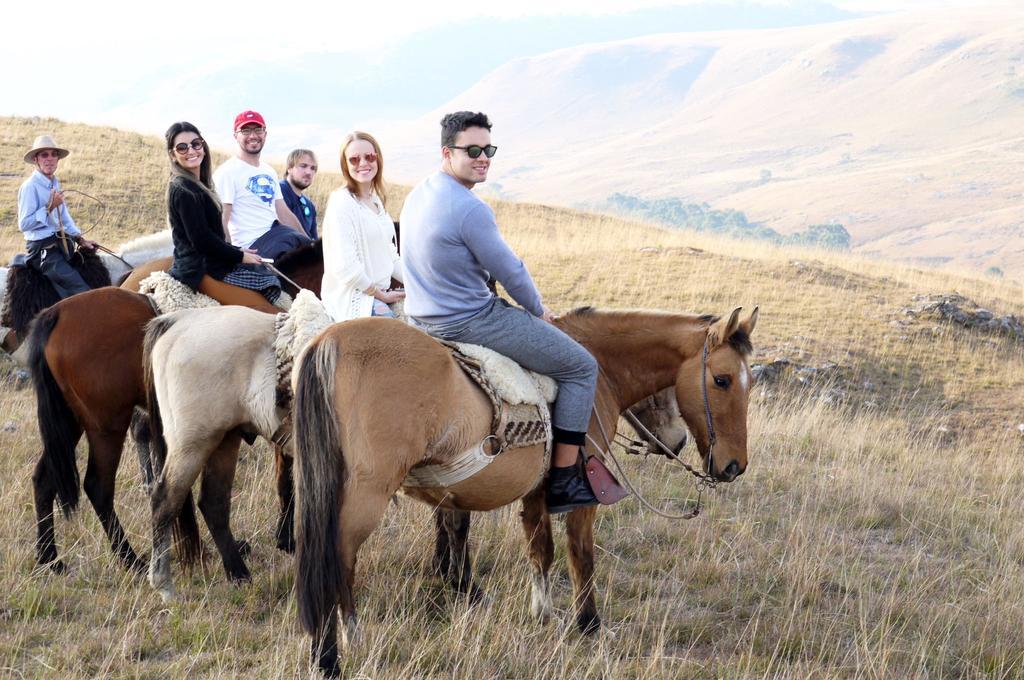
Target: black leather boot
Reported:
[(567, 490)]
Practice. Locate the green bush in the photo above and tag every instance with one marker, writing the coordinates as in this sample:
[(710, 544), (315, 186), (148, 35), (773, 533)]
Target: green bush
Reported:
[(702, 217)]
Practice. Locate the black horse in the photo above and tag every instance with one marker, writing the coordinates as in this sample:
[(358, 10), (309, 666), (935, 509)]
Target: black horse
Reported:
[(29, 291)]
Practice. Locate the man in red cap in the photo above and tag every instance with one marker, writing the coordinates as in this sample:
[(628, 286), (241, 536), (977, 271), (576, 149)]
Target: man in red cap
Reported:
[(255, 214)]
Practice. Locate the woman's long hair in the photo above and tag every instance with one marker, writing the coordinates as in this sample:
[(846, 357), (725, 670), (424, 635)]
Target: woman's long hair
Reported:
[(205, 176), (378, 180)]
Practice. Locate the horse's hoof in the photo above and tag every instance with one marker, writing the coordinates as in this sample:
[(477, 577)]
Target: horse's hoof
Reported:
[(351, 635), (542, 614), (58, 567), (244, 547), (167, 595), (479, 599), (589, 624), (286, 545), (240, 579), (330, 668), (541, 607)]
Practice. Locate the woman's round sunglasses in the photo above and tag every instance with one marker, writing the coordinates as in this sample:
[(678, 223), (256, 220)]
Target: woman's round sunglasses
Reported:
[(474, 150), (368, 157), (182, 147)]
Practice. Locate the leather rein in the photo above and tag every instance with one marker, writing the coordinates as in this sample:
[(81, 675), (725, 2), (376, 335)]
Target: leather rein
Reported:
[(704, 480)]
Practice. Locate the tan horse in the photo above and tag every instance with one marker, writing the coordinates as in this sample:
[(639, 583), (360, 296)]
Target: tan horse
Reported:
[(211, 373), (351, 455)]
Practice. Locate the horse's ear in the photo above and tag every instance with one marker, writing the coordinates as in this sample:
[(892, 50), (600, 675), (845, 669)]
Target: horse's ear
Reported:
[(723, 328), (751, 321)]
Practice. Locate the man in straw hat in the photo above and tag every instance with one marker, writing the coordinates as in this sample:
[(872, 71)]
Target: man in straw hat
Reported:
[(44, 219)]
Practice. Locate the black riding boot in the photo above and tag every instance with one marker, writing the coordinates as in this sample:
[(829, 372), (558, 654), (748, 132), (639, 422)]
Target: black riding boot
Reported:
[(567, 489)]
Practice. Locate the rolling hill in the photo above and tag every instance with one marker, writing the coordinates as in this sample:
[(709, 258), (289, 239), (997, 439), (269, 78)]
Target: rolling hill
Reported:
[(906, 129)]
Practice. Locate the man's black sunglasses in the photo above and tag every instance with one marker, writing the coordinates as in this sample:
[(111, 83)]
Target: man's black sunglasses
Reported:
[(474, 150)]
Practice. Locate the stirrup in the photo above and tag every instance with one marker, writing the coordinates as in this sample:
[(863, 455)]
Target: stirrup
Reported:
[(602, 482)]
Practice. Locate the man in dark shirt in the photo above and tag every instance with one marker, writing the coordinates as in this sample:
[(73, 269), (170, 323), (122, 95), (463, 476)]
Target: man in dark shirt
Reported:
[(298, 177)]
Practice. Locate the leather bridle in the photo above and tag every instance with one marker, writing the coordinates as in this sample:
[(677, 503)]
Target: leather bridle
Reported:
[(705, 480)]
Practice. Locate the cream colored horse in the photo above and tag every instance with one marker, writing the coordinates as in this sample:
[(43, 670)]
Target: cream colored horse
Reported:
[(351, 454)]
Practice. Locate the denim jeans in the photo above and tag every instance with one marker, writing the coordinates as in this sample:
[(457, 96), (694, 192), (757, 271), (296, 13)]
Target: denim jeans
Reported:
[(538, 346)]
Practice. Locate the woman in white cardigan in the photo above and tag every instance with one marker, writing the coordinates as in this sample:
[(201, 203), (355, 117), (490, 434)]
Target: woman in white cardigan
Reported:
[(360, 257)]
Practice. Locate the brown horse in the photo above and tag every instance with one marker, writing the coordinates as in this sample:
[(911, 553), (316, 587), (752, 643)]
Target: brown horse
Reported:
[(351, 457), (198, 403), (85, 356), (660, 431)]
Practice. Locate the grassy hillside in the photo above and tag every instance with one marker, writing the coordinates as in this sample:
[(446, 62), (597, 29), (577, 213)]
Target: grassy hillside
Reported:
[(876, 533)]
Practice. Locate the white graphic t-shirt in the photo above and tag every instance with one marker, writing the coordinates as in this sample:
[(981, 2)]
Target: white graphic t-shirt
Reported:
[(252, 192)]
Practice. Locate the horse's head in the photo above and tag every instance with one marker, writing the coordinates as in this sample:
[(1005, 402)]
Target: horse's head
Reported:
[(712, 388), (659, 413)]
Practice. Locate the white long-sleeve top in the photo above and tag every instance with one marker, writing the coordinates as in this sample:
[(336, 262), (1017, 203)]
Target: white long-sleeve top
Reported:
[(359, 251)]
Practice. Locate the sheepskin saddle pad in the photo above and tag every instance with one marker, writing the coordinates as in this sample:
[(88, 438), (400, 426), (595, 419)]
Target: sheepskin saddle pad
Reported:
[(171, 295), (295, 329), (520, 398)]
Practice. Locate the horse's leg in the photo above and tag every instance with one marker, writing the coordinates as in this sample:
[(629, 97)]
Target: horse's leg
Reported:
[(100, 479), (142, 438), (179, 473), (361, 512), (45, 493), (580, 530), (215, 504), (459, 572), (286, 494), (537, 527), (442, 562)]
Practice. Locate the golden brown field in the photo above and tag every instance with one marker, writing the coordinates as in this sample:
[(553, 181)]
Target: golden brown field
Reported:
[(876, 533)]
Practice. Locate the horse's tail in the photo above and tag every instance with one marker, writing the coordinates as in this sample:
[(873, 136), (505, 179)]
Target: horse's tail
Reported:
[(58, 426), (186, 528), (320, 482)]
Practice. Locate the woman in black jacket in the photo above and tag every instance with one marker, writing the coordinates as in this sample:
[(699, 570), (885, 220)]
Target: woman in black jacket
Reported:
[(203, 259)]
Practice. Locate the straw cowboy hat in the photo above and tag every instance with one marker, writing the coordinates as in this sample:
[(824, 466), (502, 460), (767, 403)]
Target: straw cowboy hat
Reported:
[(44, 142)]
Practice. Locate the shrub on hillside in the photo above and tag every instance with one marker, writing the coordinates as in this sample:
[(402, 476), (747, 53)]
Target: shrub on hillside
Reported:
[(702, 217)]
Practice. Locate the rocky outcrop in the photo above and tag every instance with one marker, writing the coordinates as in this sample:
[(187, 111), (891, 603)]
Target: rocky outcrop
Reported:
[(962, 311)]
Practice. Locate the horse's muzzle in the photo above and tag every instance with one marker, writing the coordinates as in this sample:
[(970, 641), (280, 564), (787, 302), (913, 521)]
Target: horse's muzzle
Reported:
[(731, 472)]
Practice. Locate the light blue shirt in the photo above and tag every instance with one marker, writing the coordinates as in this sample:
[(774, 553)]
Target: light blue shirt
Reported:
[(450, 241), (33, 220)]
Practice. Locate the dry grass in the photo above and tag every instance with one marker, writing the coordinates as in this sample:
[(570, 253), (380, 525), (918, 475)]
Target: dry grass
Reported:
[(875, 536)]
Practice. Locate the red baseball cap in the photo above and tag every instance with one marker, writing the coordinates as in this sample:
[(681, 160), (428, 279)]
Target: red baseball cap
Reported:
[(248, 118)]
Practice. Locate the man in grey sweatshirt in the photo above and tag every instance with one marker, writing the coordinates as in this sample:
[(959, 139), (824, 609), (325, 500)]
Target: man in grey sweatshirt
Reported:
[(450, 245)]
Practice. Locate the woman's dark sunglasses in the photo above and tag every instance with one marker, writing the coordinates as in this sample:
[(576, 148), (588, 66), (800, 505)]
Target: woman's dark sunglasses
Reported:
[(474, 150), (196, 144)]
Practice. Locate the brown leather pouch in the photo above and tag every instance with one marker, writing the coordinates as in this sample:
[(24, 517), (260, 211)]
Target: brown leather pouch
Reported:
[(603, 483)]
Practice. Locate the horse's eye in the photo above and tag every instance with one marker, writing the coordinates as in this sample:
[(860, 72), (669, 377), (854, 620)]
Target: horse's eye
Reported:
[(722, 381)]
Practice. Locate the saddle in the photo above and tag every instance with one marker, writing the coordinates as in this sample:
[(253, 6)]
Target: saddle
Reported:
[(520, 404), (171, 295), (27, 291)]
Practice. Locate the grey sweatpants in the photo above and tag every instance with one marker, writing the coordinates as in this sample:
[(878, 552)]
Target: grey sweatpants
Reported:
[(537, 345)]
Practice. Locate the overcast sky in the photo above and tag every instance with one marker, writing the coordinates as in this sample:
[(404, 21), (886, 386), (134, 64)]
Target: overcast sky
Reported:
[(84, 61), (57, 33)]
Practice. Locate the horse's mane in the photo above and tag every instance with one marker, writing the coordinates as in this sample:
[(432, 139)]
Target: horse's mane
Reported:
[(739, 340), (302, 256), (145, 248)]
